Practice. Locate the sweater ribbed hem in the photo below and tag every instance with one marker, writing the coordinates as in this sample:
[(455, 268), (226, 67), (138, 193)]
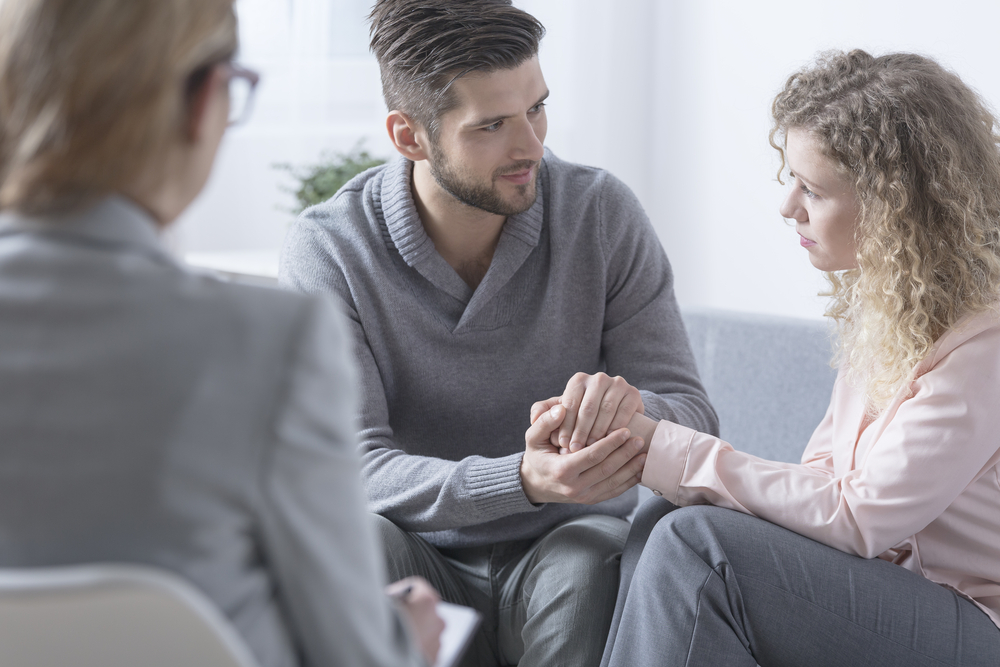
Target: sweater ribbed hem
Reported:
[(495, 486)]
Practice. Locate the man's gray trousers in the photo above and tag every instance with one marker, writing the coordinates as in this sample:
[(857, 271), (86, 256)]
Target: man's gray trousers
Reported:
[(545, 603)]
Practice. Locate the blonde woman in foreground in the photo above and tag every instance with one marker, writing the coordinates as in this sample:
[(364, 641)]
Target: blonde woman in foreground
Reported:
[(149, 415), (883, 546)]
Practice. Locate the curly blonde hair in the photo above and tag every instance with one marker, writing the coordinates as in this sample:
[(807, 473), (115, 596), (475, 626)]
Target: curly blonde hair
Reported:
[(922, 150)]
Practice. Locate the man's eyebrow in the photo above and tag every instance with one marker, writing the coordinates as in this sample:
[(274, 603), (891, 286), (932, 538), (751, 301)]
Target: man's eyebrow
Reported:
[(485, 122)]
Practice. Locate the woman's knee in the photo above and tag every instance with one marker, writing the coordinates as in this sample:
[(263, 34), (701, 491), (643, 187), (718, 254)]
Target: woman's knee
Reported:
[(704, 529), (650, 512)]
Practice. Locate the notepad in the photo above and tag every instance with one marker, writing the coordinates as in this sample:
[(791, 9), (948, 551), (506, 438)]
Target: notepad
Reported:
[(460, 625)]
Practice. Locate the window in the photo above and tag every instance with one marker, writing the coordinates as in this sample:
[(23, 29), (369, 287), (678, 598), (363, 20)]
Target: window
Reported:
[(319, 92)]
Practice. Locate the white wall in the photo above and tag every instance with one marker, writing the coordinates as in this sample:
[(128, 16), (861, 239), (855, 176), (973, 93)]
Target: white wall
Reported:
[(670, 95), (319, 92), (673, 96)]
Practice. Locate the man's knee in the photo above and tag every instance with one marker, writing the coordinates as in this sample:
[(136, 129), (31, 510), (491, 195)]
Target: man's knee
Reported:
[(392, 536), (573, 583), (595, 534), (585, 551), (399, 548)]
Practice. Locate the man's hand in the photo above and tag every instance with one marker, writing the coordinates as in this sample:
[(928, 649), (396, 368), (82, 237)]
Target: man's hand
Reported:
[(418, 600), (596, 405), (606, 469)]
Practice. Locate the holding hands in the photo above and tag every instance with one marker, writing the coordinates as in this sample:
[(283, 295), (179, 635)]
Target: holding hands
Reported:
[(596, 405), (602, 471), (577, 449)]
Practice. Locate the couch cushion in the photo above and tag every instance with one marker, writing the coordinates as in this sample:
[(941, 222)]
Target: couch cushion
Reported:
[(768, 377)]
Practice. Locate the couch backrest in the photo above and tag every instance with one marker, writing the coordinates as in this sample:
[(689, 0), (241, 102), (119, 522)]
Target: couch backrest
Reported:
[(768, 377)]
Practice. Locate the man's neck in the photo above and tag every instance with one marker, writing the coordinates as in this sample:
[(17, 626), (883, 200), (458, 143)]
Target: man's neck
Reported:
[(464, 236)]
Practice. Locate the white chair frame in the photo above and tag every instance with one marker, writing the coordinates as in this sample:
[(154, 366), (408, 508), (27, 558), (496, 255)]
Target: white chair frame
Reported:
[(111, 615)]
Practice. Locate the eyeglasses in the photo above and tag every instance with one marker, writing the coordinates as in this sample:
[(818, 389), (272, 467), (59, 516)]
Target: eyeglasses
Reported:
[(242, 83)]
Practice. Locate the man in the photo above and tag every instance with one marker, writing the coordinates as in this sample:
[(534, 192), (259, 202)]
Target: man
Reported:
[(480, 273)]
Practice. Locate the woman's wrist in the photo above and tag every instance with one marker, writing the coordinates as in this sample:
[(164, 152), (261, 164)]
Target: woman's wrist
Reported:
[(643, 427)]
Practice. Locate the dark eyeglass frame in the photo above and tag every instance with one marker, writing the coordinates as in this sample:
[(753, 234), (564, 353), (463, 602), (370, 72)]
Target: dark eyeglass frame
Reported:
[(234, 71), (231, 71)]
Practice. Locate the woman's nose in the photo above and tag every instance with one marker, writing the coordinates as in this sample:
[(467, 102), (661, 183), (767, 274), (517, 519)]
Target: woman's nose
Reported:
[(792, 207)]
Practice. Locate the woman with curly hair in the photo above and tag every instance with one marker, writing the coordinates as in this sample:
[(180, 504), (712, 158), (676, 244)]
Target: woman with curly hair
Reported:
[(882, 547)]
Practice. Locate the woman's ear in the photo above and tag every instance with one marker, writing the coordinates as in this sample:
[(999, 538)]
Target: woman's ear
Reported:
[(408, 137), (201, 105)]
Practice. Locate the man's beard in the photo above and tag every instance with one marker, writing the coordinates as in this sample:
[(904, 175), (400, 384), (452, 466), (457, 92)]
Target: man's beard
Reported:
[(484, 196)]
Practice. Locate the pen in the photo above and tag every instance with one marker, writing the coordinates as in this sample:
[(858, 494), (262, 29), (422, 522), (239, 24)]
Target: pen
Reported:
[(401, 593)]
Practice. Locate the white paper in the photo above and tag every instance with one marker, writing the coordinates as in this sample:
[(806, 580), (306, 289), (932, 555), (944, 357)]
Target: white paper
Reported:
[(459, 625)]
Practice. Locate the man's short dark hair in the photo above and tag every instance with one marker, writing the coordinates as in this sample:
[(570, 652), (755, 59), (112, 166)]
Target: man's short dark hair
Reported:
[(423, 46)]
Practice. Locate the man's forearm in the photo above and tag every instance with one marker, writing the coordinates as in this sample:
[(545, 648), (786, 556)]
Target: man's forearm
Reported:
[(427, 494)]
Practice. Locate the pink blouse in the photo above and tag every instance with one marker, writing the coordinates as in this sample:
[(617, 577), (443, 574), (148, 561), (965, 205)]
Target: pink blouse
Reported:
[(919, 486)]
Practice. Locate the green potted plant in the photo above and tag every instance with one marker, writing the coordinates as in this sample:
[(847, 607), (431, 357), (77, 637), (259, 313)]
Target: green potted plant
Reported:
[(320, 181)]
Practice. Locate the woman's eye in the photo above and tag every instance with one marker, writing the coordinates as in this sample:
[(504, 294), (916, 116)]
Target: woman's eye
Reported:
[(805, 190)]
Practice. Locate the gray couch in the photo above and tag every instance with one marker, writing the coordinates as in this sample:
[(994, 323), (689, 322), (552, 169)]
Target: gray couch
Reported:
[(768, 377)]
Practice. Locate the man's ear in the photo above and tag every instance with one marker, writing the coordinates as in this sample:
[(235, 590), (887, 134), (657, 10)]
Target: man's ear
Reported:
[(408, 137), (198, 105)]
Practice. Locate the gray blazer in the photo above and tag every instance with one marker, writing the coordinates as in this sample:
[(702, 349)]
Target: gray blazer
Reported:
[(151, 415)]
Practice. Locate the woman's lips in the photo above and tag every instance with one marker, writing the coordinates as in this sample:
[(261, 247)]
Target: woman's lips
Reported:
[(804, 242)]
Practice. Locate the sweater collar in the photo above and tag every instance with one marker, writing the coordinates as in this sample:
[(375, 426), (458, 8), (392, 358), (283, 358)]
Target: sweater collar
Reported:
[(407, 232)]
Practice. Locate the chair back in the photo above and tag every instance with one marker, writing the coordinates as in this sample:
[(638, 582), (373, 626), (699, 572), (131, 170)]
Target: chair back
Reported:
[(111, 616)]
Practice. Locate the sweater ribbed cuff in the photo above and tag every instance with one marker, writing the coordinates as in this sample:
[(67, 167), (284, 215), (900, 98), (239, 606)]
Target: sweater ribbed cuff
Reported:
[(495, 486), (655, 407)]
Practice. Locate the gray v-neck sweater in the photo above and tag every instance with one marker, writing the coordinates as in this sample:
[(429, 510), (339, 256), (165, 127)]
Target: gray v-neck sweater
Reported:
[(579, 282)]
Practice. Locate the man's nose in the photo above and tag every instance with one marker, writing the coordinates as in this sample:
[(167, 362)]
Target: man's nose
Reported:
[(529, 145)]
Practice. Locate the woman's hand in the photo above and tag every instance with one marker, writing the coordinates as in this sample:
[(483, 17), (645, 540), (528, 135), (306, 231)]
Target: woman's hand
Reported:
[(539, 409), (418, 600), (595, 406)]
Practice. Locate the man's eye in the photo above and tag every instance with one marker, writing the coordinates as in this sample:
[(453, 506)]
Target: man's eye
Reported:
[(538, 107), (494, 127)]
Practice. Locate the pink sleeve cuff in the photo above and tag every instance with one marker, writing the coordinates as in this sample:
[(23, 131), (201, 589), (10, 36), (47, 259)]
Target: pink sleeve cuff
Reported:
[(666, 459)]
